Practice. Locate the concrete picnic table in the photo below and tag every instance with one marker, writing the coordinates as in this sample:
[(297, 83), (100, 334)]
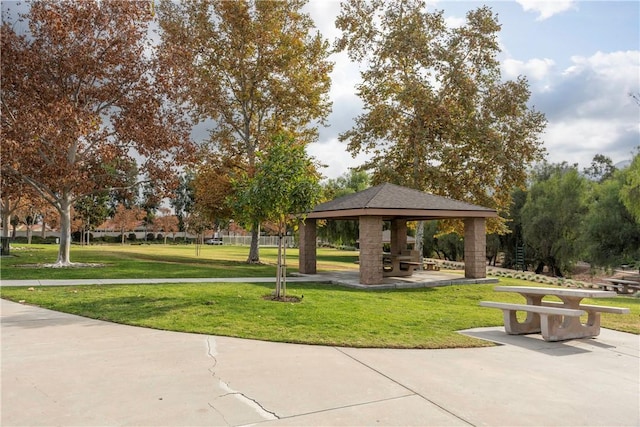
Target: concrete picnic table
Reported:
[(555, 320), (625, 284)]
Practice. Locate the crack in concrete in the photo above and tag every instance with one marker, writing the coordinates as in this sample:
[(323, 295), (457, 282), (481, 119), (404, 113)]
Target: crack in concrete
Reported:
[(405, 387), (257, 406), (269, 415)]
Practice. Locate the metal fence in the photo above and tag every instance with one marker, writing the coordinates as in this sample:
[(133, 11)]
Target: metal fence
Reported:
[(264, 241)]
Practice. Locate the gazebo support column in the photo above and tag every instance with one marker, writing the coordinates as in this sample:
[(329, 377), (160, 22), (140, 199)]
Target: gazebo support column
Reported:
[(307, 257), (370, 250), (475, 248), (398, 236)]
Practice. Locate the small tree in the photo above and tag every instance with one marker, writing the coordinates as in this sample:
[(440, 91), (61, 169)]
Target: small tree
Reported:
[(127, 219), (285, 183), (166, 223)]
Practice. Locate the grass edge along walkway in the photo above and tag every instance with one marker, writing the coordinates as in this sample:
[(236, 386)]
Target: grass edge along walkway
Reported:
[(327, 315)]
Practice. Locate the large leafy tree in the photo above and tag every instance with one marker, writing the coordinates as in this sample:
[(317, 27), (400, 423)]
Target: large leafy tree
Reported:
[(630, 191), (285, 185), (81, 103), (611, 234), (552, 217), (252, 68), (438, 115), (342, 232)]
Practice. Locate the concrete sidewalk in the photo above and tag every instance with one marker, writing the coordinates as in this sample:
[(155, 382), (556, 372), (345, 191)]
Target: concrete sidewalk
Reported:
[(60, 369), (350, 279)]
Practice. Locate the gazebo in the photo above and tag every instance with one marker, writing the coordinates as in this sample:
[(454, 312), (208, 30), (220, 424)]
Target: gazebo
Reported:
[(389, 202)]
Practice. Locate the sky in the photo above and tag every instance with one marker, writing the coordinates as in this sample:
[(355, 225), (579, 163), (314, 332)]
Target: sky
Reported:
[(581, 58)]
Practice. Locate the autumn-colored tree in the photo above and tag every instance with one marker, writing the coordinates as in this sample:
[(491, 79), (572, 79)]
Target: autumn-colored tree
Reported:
[(127, 219), (212, 187), (285, 184), (12, 198), (166, 223), (438, 116), (252, 68), (81, 103)]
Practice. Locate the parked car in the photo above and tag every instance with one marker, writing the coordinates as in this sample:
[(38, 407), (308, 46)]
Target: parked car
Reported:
[(214, 241)]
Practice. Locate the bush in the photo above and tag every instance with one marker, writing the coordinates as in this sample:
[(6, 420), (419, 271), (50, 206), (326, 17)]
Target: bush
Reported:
[(132, 237), (150, 237)]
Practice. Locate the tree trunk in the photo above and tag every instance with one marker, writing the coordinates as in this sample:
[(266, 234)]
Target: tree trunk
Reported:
[(5, 249), (6, 214), (283, 269), (279, 268), (65, 232), (254, 251)]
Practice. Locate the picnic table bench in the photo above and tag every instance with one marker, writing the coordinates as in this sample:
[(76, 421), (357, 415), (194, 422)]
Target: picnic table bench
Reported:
[(622, 286), (555, 320), (398, 265), (431, 266)]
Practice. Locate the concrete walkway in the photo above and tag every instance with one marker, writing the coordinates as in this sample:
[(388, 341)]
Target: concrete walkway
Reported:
[(343, 278), (65, 370)]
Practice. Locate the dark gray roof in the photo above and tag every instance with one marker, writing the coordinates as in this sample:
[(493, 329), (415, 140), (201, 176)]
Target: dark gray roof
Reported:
[(394, 197)]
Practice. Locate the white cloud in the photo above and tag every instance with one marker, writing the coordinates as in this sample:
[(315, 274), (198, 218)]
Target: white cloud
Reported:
[(536, 69), (334, 155), (579, 140), (589, 109), (547, 8)]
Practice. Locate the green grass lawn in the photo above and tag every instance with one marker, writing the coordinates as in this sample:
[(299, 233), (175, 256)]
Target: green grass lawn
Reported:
[(327, 315), (159, 261)]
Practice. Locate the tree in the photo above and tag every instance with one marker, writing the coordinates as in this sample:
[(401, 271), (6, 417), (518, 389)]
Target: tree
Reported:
[(91, 210), (630, 191), (438, 116), (611, 234), (552, 217), (251, 67), (183, 199), (285, 184), (127, 219), (601, 168), (166, 223), (150, 203), (81, 103), (12, 198), (342, 232), (212, 187)]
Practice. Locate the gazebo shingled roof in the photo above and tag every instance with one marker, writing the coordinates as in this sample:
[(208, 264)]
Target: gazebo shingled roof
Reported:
[(389, 200)]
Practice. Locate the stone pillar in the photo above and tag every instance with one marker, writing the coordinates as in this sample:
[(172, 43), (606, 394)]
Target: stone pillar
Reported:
[(370, 250), (307, 258), (475, 248), (398, 236)]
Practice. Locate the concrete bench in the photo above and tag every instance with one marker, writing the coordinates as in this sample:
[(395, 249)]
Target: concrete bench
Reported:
[(593, 308), (409, 265), (547, 320), (607, 286), (431, 266)]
